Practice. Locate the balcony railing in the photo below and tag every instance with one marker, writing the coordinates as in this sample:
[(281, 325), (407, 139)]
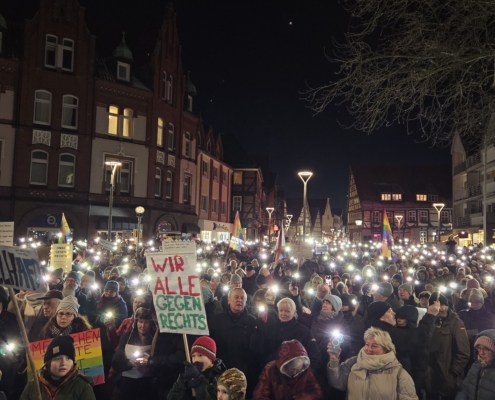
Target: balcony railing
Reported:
[(473, 160), (463, 221), (460, 168), (475, 190)]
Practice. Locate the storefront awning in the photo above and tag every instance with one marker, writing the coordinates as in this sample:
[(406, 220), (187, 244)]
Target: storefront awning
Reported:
[(190, 228)]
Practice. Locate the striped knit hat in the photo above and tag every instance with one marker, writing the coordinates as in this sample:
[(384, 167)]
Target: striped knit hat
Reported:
[(206, 346), (235, 382)]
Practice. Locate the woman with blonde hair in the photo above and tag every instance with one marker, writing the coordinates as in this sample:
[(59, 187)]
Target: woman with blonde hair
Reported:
[(374, 374)]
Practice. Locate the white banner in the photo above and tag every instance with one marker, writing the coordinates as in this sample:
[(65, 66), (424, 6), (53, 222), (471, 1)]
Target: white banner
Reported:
[(302, 250), (6, 233), (107, 245), (61, 256), (176, 290), (19, 268)]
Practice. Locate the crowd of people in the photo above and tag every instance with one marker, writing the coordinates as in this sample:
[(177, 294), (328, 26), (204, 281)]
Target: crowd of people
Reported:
[(347, 323)]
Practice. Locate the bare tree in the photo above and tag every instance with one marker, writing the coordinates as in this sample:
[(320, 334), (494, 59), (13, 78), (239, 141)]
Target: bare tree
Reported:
[(429, 61)]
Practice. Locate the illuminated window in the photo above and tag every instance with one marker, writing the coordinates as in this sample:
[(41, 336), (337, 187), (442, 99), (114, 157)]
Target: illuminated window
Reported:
[(113, 120), (386, 197), (421, 197), (127, 123), (159, 133), (397, 197), (237, 178)]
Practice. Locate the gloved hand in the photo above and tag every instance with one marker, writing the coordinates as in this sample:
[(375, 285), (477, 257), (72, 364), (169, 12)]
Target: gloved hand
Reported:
[(190, 372)]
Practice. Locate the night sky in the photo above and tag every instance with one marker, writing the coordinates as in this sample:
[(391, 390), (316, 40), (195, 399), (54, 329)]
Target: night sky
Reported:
[(249, 61)]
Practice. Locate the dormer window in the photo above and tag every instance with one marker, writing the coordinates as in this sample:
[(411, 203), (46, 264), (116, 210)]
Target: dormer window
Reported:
[(189, 103), (386, 197), (123, 71), (421, 197)]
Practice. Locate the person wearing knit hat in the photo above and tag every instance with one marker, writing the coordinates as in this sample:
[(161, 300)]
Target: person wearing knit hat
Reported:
[(385, 292), (56, 279), (472, 284), (114, 273), (59, 376), (406, 294), (334, 302), (476, 299), (88, 279), (423, 299), (261, 282), (202, 374), (231, 385), (380, 311), (66, 320), (235, 281), (479, 383)]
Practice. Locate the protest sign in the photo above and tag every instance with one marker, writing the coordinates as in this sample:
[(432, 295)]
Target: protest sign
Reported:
[(302, 249), (107, 245), (6, 233), (19, 268), (88, 354), (176, 290), (61, 256)]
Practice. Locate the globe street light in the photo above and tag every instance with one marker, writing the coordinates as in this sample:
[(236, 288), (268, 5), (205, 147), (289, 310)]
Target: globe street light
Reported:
[(139, 214), (114, 165), (269, 210), (305, 176)]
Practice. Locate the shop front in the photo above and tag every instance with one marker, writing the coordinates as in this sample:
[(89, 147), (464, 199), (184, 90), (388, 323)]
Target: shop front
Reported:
[(214, 230)]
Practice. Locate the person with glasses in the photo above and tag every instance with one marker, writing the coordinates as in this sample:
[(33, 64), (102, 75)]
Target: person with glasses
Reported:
[(66, 320), (480, 380)]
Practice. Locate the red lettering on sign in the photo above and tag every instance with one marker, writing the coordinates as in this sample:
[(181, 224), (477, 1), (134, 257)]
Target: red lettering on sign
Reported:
[(166, 285), (179, 263), (192, 285)]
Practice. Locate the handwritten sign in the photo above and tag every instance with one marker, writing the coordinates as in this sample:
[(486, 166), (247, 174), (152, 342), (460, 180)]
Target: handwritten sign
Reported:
[(302, 250), (88, 354), (61, 256), (6, 233), (19, 268), (107, 245), (176, 291)]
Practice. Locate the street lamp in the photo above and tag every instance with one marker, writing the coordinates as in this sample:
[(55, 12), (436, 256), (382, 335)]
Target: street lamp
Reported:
[(289, 219), (114, 165), (305, 176), (438, 207), (398, 218), (269, 210), (139, 214)]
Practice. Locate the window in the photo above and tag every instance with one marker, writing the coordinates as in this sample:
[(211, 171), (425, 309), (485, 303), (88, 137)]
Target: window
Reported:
[(171, 137), (376, 217), (236, 203), (159, 133), (215, 174), (411, 216), (445, 217), (433, 197), (127, 123), (113, 120), (187, 150), (237, 178), (66, 170), (390, 217), (125, 176), (224, 207), (189, 102), (215, 206), (158, 182), (123, 71), (386, 197), (39, 168), (164, 86), (170, 182), (224, 178), (421, 197), (42, 107), (170, 89), (67, 50), (204, 203), (423, 216), (187, 188), (205, 169), (51, 51), (69, 112), (396, 197)]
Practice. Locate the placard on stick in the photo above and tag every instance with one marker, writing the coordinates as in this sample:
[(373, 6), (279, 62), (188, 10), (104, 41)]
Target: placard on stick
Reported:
[(176, 290), (88, 354), (19, 268)]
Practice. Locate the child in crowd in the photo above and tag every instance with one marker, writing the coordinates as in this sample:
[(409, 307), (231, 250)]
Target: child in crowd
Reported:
[(231, 385)]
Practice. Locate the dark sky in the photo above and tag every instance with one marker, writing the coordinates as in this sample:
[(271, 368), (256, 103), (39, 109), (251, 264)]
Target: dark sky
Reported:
[(249, 65)]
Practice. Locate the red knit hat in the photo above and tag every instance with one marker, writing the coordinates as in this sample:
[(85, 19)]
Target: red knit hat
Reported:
[(472, 284), (206, 346)]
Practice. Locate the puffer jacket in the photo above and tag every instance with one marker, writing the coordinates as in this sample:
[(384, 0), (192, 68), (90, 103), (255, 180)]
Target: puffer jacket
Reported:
[(448, 355), (480, 382), (273, 384), (372, 378), (476, 321)]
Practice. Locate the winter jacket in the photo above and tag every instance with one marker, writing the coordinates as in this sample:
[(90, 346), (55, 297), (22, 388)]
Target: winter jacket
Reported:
[(9, 333), (274, 384), (31, 308), (77, 387), (372, 378), (410, 302), (322, 330), (395, 303), (81, 299), (77, 324), (480, 382), (126, 294), (205, 390), (448, 355), (249, 284), (114, 335), (354, 325)]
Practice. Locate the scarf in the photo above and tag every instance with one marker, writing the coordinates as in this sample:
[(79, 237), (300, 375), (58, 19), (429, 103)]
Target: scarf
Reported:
[(323, 316), (108, 301), (55, 330), (52, 386), (366, 363)]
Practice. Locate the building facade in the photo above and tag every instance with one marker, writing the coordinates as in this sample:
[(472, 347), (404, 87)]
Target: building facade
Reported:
[(406, 194), (65, 111)]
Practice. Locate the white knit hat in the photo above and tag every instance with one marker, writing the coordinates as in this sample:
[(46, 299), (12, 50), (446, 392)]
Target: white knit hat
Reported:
[(69, 303)]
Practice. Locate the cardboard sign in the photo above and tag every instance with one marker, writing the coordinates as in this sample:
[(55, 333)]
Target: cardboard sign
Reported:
[(88, 354), (6, 233), (19, 268), (61, 256), (176, 290), (107, 245), (302, 250)]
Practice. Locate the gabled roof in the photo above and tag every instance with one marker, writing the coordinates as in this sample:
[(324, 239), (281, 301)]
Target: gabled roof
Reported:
[(103, 72), (294, 207)]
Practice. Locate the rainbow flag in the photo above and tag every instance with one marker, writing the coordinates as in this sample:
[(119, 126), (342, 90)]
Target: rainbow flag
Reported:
[(386, 237), (237, 236), (280, 244), (65, 236)]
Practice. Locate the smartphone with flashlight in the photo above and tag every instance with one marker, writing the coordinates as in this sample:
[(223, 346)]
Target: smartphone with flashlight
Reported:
[(262, 314), (335, 341)]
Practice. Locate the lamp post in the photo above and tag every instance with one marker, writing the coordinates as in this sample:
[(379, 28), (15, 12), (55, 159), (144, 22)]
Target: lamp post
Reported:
[(139, 214), (287, 225), (114, 165), (438, 207), (358, 222), (269, 211), (305, 176), (398, 218)]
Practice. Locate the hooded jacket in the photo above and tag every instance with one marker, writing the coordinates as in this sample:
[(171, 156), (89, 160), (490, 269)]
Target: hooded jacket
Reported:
[(372, 378), (480, 382), (274, 384)]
